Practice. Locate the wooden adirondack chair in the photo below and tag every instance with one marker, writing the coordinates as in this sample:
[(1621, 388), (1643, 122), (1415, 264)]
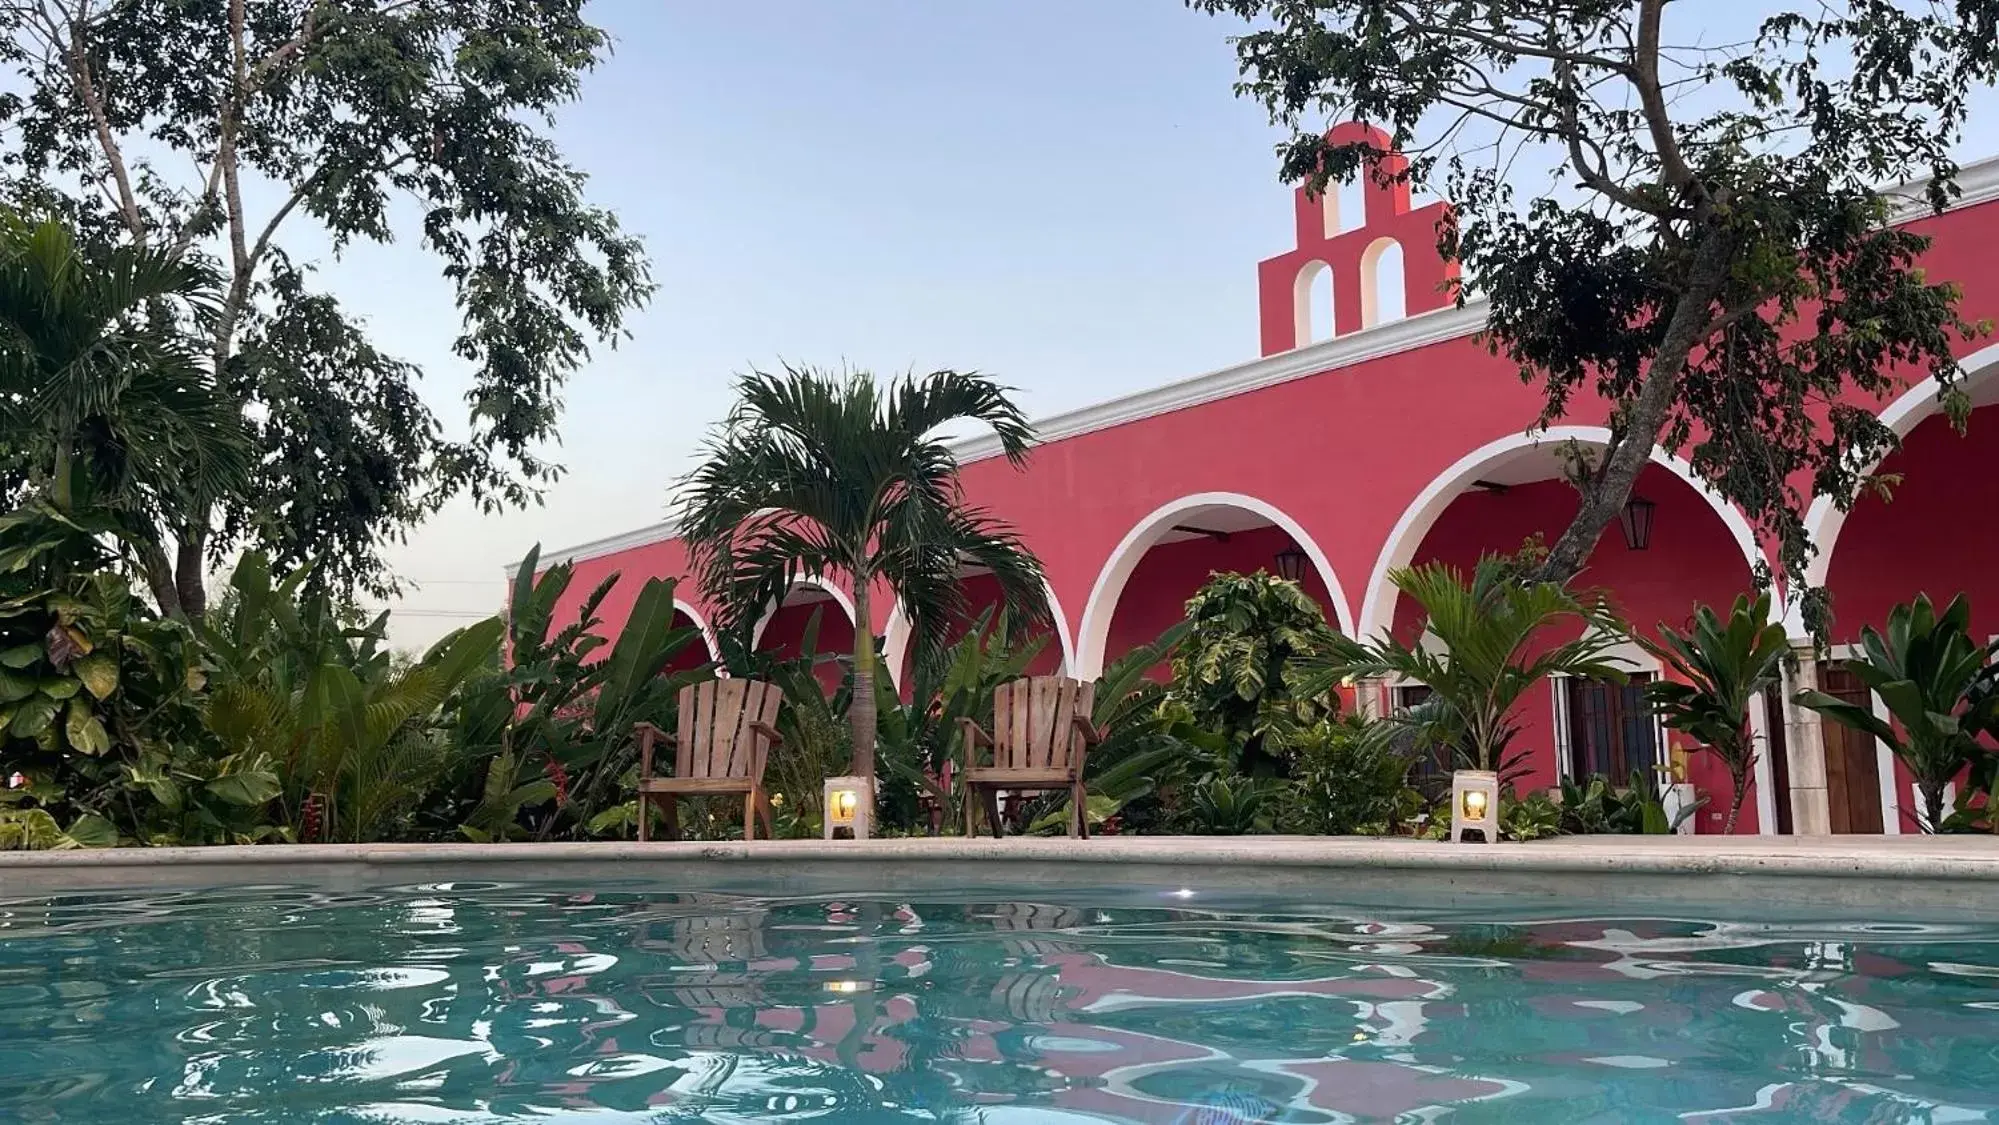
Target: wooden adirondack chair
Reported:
[(1041, 731), (726, 735)]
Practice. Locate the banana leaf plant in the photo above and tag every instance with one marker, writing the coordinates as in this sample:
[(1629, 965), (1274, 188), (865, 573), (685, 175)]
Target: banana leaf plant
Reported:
[(1720, 667), (1927, 670)]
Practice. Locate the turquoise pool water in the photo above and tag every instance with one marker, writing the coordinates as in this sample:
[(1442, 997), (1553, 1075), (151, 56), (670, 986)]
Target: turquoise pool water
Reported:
[(475, 1002)]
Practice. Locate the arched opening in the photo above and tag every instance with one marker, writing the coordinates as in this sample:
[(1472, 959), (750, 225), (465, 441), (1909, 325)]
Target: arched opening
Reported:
[(782, 632), (1932, 535), (702, 649), (1700, 551), (1345, 204), (1144, 585), (1313, 304), (983, 600), (1384, 294)]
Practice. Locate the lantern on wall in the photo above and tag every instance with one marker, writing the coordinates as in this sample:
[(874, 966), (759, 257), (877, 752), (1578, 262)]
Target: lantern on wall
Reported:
[(1637, 520), (1475, 804), (1290, 563), (850, 805)]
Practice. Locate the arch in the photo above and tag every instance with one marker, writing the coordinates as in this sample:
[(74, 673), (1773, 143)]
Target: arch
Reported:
[(701, 622), (1824, 519), (839, 596), (1384, 286), (1093, 635), (1377, 614), (1308, 305), (1344, 203), (898, 633)]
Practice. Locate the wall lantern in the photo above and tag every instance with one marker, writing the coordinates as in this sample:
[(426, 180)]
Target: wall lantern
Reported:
[(1290, 563), (1475, 805), (1637, 520), (849, 804)]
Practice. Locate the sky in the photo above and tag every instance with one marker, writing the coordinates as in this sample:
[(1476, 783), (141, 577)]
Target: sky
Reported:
[(1063, 194)]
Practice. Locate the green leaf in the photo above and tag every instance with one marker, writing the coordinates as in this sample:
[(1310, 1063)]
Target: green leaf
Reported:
[(15, 688), (58, 687), (248, 788), (85, 733), (92, 831), (20, 656), (33, 717), (98, 672)]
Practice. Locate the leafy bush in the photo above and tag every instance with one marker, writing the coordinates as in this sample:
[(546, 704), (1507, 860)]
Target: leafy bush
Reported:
[(1594, 807), (1237, 806), (1351, 778), (1240, 669)]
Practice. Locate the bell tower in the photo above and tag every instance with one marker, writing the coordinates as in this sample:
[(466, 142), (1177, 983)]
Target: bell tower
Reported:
[(1360, 256)]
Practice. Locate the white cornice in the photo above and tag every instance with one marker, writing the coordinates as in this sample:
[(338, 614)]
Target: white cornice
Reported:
[(1977, 182), (1313, 359)]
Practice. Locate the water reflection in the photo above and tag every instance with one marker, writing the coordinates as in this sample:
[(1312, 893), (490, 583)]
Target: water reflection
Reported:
[(491, 1002)]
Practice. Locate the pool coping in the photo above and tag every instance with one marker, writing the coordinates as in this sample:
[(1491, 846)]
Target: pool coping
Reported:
[(1973, 858)]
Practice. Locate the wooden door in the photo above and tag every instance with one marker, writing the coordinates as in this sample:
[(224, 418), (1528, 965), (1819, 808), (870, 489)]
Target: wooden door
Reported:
[(1852, 779)]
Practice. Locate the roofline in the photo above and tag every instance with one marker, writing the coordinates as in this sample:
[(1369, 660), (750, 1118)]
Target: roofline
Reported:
[(1977, 182)]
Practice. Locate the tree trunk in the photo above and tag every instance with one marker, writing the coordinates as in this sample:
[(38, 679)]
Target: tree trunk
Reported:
[(1636, 431), (1932, 805), (189, 577), (1741, 780), (861, 717)]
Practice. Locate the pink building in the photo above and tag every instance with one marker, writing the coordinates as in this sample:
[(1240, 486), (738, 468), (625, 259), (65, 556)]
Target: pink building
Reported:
[(1374, 432)]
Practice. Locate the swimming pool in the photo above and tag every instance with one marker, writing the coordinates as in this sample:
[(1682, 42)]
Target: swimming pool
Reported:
[(470, 1002)]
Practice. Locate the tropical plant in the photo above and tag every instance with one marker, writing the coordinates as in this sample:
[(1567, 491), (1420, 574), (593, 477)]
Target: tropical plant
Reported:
[(1927, 671), (1490, 647), (1595, 807), (551, 727), (354, 742), (1720, 261), (1239, 667), (823, 475), (1351, 777), (105, 405), (1721, 667), (1237, 806)]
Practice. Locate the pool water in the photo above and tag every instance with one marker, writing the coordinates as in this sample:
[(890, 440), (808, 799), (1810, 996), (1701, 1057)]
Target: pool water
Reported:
[(479, 1002)]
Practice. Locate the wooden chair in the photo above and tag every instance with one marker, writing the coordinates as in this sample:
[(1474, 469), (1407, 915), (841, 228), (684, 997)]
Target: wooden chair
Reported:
[(1041, 731), (726, 735)]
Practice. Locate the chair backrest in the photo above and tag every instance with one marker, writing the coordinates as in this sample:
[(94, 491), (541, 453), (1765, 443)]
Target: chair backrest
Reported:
[(1034, 722), (716, 738)]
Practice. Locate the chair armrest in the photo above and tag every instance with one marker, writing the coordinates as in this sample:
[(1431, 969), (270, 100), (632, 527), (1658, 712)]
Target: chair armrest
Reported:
[(1083, 726), (649, 734), (975, 737), (769, 733)]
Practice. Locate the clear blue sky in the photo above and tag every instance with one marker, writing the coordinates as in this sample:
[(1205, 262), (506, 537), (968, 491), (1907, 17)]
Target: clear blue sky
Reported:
[(1063, 193)]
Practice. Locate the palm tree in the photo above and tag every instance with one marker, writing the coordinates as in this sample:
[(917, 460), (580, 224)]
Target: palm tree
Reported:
[(105, 404), (1490, 651), (1931, 676), (1722, 667), (822, 475)]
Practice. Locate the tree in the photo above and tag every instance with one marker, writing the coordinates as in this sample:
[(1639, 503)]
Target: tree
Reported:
[(373, 119), (1722, 667), (822, 475), (1239, 668), (1489, 646), (108, 412), (1715, 259), (1928, 672)]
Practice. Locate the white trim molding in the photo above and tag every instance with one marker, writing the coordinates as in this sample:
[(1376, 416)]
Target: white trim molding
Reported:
[(840, 597), (701, 623), (1093, 635), (1377, 615), (1824, 519)]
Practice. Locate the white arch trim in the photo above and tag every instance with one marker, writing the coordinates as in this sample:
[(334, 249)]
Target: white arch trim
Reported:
[(1377, 613), (1824, 520), (898, 634), (839, 596), (1093, 636), (700, 622)]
